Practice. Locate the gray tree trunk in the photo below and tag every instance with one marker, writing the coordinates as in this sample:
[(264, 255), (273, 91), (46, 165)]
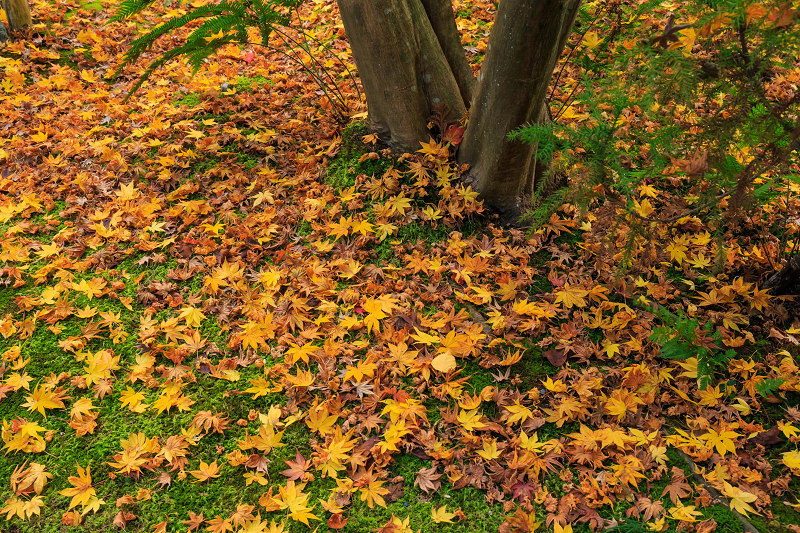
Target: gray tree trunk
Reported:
[(402, 66), (440, 13), (410, 61), (18, 13), (524, 46)]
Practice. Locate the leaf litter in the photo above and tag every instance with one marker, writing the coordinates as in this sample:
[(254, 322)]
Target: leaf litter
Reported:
[(186, 246)]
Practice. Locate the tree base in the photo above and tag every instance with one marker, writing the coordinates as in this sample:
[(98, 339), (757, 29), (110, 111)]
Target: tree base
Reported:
[(786, 281)]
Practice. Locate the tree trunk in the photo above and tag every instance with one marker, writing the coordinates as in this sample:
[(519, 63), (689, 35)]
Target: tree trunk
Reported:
[(402, 66), (18, 13), (410, 61), (440, 13), (524, 46), (786, 280)]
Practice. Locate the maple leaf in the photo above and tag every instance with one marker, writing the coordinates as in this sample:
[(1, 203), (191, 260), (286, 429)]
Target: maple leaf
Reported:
[(373, 493), (193, 316), (489, 450), (428, 480), (206, 472), (300, 353), (208, 420), (243, 514), (434, 150), (45, 397), (319, 419), (33, 478), (684, 513), (24, 509), (133, 400), (792, 460), (723, 440), (265, 441), (21, 435), (374, 308), (523, 521), (291, 497), (738, 499), (219, 525), (572, 296), (337, 521), (442, 515), (260, 387), (298, 469), (81, 491), (194, 521)]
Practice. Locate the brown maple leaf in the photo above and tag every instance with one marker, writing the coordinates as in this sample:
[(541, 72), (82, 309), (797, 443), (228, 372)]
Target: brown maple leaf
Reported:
[(243, 513), (677, 488), (337, 521), (164, 479), (194, 521), (258, 462), (428, 480)]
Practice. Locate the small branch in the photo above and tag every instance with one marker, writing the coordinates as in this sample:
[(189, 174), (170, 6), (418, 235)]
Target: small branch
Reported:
[(745, 52), (748, 526)]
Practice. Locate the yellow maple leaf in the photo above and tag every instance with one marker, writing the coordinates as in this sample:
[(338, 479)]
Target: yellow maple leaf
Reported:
[(374, 308), (291, 497), (434, 149), (133, 400), (572, 296), (373, 493), (723, 440), (738, 499), (792, 460), (320, 420), (81, 491), (44, 397), (193, 316), (442, 515), (684, 513), (22, 508), (206, 471), (489, 450), (592, 40)]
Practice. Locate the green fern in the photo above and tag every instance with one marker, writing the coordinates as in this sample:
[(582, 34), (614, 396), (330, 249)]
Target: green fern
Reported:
[(679, 339), (768, 387), (221, 24)]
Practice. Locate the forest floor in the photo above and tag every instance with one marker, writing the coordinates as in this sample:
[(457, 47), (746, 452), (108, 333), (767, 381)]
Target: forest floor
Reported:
[(222, 311)]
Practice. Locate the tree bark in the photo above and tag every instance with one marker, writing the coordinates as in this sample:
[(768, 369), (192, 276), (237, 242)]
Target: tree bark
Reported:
[(18, 13), (402, 66), (410, 61), (440, 13), (524, 46), (786, 280)]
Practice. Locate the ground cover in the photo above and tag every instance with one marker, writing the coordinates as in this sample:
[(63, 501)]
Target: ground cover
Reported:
[(222, 311)]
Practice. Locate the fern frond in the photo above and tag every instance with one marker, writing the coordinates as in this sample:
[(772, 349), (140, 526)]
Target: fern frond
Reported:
[(129, 8)]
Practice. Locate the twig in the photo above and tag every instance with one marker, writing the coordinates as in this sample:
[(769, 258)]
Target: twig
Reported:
[(748, 526)]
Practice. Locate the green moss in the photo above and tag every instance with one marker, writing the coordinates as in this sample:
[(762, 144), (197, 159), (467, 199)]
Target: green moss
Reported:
[(245, 84), (248, 160), (190, 100), (416, 231), (533, 367), (345, 166)]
